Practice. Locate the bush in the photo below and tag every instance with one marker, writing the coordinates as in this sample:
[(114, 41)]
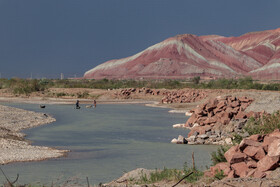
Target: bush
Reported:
[(264, 125), (218, 156), (219, 175)]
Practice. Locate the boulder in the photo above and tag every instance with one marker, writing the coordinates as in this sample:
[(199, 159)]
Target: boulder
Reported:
[(222, 166), (274, 148), (255, 152), (268, 163), (256, 137), (240, 115), (247, 142), (232, 156), (259, 174), (228, 141), (239, 168), (267, 141), (231, 174), (275, 133), (252, 164)]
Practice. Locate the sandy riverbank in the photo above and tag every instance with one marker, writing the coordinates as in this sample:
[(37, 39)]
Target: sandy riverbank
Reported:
[(13, 146)]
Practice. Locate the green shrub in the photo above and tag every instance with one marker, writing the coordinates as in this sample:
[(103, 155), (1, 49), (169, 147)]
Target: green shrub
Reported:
[(263, 125), (60, 94), (85, 94), (197, 174), (219, 175), (237, 138), (218, 156)]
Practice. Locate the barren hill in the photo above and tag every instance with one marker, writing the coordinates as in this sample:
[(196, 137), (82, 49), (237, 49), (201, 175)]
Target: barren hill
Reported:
[(255, 54)]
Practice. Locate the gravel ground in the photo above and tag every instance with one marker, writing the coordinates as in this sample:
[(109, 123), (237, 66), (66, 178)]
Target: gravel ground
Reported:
[(13, 147)]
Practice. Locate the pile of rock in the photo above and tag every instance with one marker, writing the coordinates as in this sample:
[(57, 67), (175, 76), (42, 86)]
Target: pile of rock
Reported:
[(256, 156), (182, 96), (126, 93), (213, 121)]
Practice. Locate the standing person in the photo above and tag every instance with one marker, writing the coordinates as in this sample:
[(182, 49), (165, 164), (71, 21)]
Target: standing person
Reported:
[(94, 103), (77, 104)]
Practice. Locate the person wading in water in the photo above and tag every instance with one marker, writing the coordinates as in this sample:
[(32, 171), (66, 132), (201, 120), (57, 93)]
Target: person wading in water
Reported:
[(78, 104), (94, 103)]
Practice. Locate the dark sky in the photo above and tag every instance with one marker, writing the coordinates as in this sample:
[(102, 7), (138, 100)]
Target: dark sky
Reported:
[(49, 37)]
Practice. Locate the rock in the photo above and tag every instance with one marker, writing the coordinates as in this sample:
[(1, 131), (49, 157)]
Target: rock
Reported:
[(267, 141), (200, 141), (251, 173), (231, 174), (247, 142), (191, 138), (255, 152), (228, 141), (239, 168), (178, 125), (233, 156), (203, 136), (275, 133), (274, 148), (222, 166), (252, 164), (181, 140), (268, 163), (240, 115), (259, 174), (174, 140), (256, 137), (188, 113)]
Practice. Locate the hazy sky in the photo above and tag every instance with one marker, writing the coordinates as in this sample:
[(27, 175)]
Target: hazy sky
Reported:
[(49, 37)]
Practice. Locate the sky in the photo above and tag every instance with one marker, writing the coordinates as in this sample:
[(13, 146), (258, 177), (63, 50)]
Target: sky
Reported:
[(44, 38)]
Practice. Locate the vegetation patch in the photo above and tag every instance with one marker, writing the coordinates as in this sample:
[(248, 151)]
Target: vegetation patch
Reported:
[(263, 125)]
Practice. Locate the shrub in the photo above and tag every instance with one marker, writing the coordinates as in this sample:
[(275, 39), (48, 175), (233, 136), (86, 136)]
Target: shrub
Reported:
[(218, 156), (264, 125), (219, 175)]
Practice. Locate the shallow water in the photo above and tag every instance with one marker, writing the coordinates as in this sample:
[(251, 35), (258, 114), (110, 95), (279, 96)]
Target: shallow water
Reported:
[(105, 142)]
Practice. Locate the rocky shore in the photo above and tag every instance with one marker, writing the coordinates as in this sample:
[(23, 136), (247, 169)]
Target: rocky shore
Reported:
[(13, 146)]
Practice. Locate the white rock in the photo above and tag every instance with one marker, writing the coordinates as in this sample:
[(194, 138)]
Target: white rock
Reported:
[(188, 113), (174, 140), (179, 125), (228, 141)]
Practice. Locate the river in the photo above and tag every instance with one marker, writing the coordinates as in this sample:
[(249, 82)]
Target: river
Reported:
[(105, 142)]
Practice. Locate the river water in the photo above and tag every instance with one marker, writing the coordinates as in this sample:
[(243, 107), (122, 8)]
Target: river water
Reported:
[(105, 142)]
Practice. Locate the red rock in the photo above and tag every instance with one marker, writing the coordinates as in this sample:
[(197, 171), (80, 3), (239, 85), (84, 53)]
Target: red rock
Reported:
[(268, 163), (240, 115), (275, 133), (252, 164), (239, 168), (235, 104), (259, 174), (267, 141), (251, 172), (245, 99), (260, 154), (247, 142), (235, 157), (221, 104), (244, 106), (222, 166), (231, 174), (274, 148), (225, 120), (230, 152), (256, 137)]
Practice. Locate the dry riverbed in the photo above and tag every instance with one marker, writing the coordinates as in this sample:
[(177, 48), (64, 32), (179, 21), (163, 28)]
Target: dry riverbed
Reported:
[(13, 146)]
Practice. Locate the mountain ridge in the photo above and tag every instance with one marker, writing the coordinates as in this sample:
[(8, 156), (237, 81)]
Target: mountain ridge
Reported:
[(255, 54)]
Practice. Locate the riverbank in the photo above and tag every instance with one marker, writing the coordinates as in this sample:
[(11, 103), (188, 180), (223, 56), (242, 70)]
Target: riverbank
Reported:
[(13, 146)]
